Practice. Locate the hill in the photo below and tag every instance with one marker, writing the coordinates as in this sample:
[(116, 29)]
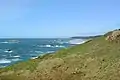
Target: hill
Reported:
[(97, 59)]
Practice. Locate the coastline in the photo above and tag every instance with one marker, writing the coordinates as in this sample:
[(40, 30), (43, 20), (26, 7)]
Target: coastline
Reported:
[(75, 63), (78, 43)]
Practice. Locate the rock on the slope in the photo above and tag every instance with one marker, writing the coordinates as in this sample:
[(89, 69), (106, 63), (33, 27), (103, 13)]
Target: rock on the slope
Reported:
[(114, 36)]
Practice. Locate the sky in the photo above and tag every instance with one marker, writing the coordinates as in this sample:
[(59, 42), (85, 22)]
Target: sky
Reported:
[(57, 18)]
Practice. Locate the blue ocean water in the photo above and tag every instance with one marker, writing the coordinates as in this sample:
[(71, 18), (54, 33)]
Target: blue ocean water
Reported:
[(15, 50)]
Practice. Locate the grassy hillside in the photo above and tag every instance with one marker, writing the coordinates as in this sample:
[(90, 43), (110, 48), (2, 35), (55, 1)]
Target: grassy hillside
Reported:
[(97, 59)]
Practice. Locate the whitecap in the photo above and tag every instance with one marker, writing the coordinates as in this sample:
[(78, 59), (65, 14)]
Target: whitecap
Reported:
[(14, 60), (10, 41), (56, 46), (5, 42), (3, 61), (63, 42), (45, 46), (77, 41), (13, 41), (34, 57), (8, 51), (50, 51), (38, 52), (59, 46), (16, 56), (48, 46)]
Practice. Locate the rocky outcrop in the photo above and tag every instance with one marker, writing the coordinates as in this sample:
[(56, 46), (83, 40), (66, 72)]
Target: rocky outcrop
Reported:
[(114, 36)]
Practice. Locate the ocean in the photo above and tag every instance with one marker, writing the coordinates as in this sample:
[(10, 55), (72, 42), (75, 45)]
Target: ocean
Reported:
[(15, 50)]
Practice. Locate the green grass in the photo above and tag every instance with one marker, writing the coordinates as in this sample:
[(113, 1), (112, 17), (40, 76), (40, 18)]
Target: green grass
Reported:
[(96, 59)]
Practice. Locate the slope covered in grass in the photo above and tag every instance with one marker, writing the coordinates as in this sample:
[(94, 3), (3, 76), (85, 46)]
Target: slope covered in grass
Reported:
[(97, 59)]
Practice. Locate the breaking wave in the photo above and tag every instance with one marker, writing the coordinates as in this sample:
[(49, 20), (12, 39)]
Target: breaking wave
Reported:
[(10, 42), (14, 60), (50, 46), (3, 61), (8, 51), (77, 41)]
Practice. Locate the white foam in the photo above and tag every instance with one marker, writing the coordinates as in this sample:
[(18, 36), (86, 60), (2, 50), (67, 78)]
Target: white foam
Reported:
[(58, 46), (38, 52), (3, 61), (10, 41), (5, 42), (77, 41), (34, 57), (17, 59), (48, 46), (63, 42), (8, 51), (16, 56), (45, 46), (50, 51)]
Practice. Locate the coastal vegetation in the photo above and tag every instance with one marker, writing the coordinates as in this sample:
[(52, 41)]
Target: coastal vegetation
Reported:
[(96, 59)]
